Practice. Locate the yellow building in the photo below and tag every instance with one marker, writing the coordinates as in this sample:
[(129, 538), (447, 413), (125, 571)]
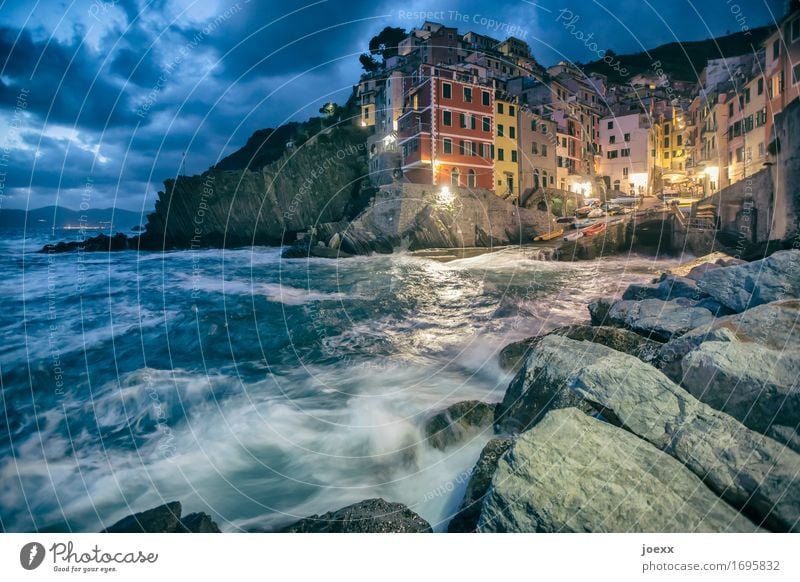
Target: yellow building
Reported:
[(667, 143), (506, 150)]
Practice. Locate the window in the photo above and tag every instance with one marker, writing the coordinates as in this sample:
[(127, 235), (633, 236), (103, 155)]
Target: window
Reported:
[(472, 121), (627, 137), (467, 95), (544, 129), (730, 109), (544, 150), (666, 142), (512, 111), (486, 98), (500, 154), (514, 156), (761, 149), (447, 118), (535, 148), (486, 152), (487, 124), (625, 171), (739, 155), (776, 49), (447, 145), (612, 139), (795, 28), (666, 155), (512, 132), (500, 108), (612, 155), (473, 148), (796, 70), (533, 125), (471, 178), (747, 95), (447, 91), (462, 120), (666, 129), (679, 140), (462, 148), (625, 152), (610, 125), (760, 87), (500, 130), (454, 177)]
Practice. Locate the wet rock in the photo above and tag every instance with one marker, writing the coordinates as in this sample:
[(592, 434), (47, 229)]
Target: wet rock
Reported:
[(748, 285), (573, 473), (369, 516), (749, 470), (598, 310), (457, 422), (513, 355), (539, 385), (102, 243), (775, 325), (164, 519), (670, 287), (754, 384), (466, 520), (658, 320)]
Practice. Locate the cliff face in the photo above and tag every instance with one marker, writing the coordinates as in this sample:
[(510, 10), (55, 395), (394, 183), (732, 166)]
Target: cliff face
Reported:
[(307, 185), (419, 216)]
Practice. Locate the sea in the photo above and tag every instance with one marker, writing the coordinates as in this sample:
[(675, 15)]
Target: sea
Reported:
[(254, 388)]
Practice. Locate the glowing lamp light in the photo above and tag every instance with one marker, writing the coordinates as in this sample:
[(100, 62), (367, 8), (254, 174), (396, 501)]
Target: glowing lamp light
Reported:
[(712, 172), (445, 196), (638, 179)]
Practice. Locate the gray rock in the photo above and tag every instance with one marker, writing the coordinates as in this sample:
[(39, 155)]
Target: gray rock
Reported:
[(747, 285), (749, 470), (458, 421), (466, 520), (754, 384), (598, 310), (164, 519), (657, 319), (573, 473), (369, 516), (513, 355), (774, 325), (539, 385), (670, 287), (697, 272)]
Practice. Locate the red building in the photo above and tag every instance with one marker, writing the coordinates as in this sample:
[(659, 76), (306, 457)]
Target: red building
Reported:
[(446, 129)]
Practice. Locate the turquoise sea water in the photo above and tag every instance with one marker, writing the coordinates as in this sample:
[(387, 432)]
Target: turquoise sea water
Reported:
[(255, 388)]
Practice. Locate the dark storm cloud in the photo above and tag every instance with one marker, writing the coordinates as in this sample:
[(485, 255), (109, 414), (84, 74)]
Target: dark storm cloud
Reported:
[(63, 81), (172, 77)]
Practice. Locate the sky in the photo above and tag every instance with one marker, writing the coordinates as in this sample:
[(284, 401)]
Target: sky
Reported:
[(100, 101)]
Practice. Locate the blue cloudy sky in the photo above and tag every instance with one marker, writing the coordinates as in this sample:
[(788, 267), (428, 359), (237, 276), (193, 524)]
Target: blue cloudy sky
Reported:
[(99, 99)]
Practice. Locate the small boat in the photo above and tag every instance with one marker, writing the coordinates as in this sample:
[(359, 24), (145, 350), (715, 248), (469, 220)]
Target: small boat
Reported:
[(550, 235), (594, 229), (584, 223), (575, 235), (596, 213), (565, 220), (583, 210)]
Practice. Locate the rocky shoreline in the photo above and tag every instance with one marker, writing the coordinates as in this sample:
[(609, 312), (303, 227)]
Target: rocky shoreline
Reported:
[(676, 410)]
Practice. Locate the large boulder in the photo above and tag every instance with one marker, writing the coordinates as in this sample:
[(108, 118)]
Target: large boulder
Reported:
[(466, 520), (573, 473), (657, 319), (669, 287), (744, 286), (749, 470), (774, 325), (457, 422), (753, 383), (539, 385), (513, 355), (164, 519), (598, 310), (369, 516)]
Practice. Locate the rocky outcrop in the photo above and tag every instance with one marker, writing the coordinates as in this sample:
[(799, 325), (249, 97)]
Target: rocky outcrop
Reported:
[(751, 284), (164, 519), (657, 319), (513, 355), (598, 310), (775, 325), (753, 383), (457, 422), (102, 243), (749, 470), (369, 516), (669, 287), (419, 216), (466, 520), (573, 473), (539, 385)]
